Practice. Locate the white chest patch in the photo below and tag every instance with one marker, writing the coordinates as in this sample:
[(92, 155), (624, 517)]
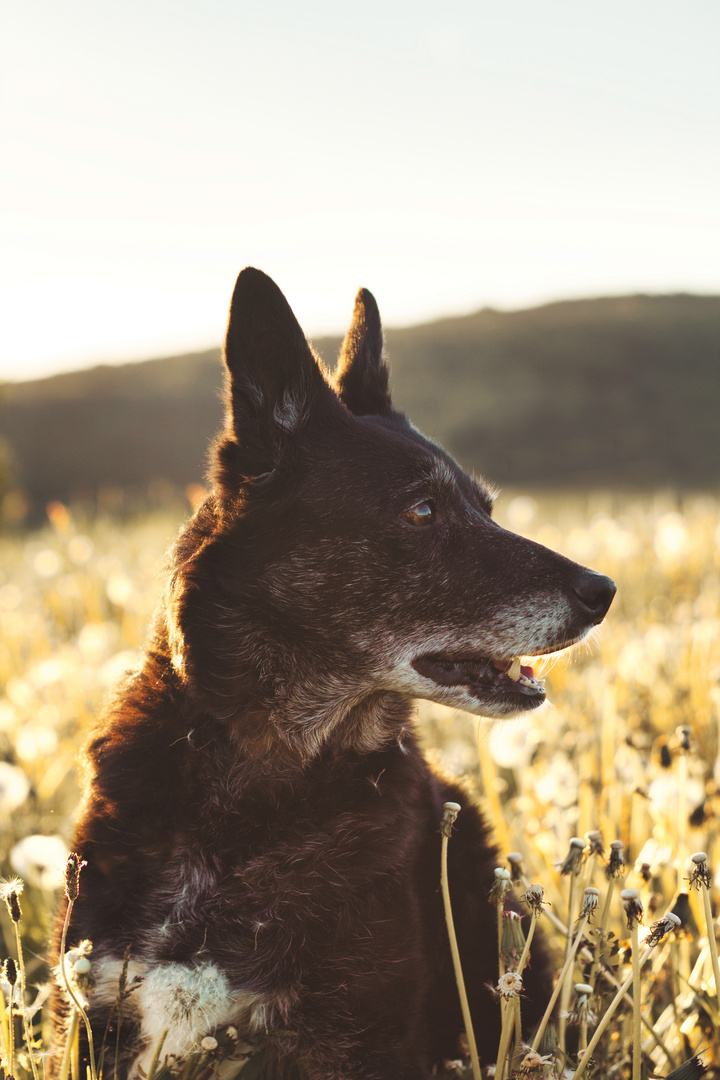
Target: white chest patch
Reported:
[(187, 1001)]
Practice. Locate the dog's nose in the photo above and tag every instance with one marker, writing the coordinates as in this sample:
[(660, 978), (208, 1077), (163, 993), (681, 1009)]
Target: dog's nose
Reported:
[(595, 592)]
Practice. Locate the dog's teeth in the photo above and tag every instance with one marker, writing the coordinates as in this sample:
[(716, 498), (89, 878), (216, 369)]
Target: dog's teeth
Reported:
[(514, 670)]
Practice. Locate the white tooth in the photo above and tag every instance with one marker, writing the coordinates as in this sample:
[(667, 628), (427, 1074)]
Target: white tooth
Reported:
[(514, 670)]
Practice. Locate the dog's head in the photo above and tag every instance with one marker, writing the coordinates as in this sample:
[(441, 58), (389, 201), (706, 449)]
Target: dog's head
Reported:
[(342, 555)]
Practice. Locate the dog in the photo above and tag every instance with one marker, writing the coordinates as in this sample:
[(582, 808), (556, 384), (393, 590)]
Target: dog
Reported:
[(260, 830)]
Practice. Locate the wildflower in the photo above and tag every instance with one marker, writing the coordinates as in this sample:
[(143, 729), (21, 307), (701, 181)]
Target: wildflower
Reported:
[(450, 812), (516, 867), (10, 891), (700, 875), (501, 886), (573, 860), (591, 902), (661, 928), (645, 871), (633, 906), (72, 876), (616, 864), (534, 1064), (209, 1043), (10, 971), (581, 1012), (509, 986), (40, 860), (512, 941), (534, 896), (14, 787), (594, 841)]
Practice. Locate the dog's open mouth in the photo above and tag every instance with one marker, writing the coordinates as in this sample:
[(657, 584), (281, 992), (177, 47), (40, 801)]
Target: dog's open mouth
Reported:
[(482, 677)]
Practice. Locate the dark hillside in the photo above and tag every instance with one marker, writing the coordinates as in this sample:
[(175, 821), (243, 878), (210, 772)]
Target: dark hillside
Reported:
[(622, 391)]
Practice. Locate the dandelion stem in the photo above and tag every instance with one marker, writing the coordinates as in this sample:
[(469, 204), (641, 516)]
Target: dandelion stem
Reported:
[(526, 950), (456, 954), (560, 982), (68, 987), (607, 1018), (507, 1030), (711, 939), (637, 1012)]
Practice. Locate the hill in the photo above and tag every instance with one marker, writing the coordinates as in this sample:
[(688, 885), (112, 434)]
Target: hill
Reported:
[(622, 391)]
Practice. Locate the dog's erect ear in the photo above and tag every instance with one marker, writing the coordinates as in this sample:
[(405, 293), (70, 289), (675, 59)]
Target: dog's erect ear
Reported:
[(275, 383), (361, 376)]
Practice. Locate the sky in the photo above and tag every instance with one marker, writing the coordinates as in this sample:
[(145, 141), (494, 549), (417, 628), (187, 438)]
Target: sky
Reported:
[(447, 156)]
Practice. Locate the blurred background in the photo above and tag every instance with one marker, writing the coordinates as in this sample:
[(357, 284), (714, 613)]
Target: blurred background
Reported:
[(530, 190)]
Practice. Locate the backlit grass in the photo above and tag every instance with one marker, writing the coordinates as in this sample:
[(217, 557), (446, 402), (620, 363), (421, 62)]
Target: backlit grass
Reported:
[(629, 747)]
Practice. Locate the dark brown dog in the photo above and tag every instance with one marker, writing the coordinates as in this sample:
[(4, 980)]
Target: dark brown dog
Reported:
[(260, 828)]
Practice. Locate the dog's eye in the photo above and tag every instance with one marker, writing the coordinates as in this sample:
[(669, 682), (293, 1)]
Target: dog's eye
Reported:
[(420, 515)]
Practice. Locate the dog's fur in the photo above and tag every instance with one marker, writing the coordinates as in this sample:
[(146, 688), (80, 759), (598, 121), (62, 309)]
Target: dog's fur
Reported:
[(260, 828)]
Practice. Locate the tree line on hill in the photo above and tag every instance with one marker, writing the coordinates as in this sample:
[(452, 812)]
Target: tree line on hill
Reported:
[(621, 391)]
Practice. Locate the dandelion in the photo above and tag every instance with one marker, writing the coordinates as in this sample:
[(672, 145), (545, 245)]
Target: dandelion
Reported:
[(14, 787), (590, 904), (72, 890), (512, 941), (515, 860), (450, 813), (580, 1015), (701, 878), (658, 931), (40, 860), (634, 913), (508, 989), (571, 864), (501, 886)]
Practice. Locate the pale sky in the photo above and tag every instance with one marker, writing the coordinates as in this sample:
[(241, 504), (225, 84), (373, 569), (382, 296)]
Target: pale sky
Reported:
[(445, 155)]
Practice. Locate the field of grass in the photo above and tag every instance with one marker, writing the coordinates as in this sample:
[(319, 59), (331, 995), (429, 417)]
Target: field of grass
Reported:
[(629, 747)]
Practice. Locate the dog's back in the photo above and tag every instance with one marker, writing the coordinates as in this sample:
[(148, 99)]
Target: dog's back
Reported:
[(261, 831)]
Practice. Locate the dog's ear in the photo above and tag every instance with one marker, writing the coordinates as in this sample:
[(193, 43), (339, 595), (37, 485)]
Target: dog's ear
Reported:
[(274, 381), (361, 376)]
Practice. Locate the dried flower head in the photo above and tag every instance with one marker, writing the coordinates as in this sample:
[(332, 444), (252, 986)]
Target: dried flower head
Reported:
[(591, 902), (700, 876), (209, 1043), (450, 812), (72, 876), (10, 971), (501, 886), (616, 863), (573, 861), (509, 986), (10, 891), (533, 1065), (594, 842), (683, 736), (515, 860), (633, 907), (661, 928), (580, 1010), (534, 896), (644, 870), (512, 941)]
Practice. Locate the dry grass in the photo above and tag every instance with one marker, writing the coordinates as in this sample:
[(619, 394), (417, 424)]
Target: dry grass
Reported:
[(75, 599)]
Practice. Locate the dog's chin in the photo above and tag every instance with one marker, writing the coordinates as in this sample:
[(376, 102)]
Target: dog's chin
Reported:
[(492, 688)]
